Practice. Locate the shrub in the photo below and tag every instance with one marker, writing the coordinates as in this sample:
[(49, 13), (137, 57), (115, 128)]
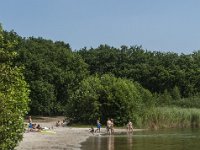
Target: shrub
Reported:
[(106, 97), (13, 98)]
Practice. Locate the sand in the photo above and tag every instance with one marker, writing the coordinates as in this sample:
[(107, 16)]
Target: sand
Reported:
[(58, 138), (55, 138), (65, 138)]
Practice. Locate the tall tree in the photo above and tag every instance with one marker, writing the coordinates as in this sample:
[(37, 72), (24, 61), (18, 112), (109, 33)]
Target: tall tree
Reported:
[(53, 72), (13, 97)]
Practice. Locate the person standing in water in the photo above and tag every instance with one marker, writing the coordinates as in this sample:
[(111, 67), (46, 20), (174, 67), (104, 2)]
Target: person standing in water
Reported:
[(98, 126), (112, 125), (108, 126), (130, 127)]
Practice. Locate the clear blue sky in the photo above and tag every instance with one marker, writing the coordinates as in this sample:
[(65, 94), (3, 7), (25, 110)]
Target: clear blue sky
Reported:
[(161, 25)]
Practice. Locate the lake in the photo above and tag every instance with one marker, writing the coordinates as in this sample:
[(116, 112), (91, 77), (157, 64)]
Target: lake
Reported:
[(170, 139)]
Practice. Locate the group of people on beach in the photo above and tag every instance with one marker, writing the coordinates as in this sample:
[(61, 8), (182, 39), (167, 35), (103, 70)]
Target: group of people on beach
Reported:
[(98, 128), (110, 127), (61, 124), (33, 127)]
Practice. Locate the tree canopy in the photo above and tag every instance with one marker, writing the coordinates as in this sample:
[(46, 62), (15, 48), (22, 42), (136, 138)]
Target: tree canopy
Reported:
[(53, 72), (156, 71)]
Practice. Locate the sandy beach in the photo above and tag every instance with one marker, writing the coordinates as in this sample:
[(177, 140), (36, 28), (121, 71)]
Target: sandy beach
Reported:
[(58, 138), (62, 138)]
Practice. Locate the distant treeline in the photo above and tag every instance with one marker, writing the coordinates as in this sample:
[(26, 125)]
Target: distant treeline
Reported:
[(55, 72), (156, 71)]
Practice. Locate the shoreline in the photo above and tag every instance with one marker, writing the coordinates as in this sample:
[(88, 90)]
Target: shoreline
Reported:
[(58, 138), (62, 138)]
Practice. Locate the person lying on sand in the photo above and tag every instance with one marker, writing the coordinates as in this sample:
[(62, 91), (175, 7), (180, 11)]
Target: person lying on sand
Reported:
[(37, 128), (64, 123)]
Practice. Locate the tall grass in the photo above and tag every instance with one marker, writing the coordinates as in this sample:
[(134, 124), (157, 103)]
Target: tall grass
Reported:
[(172, 117)]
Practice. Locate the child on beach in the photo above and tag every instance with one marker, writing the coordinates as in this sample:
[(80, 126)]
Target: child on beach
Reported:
[(98, 126), (29, 122)]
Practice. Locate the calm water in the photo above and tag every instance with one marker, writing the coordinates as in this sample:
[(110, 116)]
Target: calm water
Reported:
[(173, 139)]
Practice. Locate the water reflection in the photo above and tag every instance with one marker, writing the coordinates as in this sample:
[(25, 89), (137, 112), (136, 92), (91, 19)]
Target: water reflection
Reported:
[(98, 143), (156, 140), (111, 142), (130, 142)]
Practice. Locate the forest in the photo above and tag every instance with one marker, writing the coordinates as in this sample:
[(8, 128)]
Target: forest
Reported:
[(43, 77), (123, 83)]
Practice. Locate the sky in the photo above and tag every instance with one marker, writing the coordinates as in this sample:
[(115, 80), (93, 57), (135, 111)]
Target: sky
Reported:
[(156, 25)]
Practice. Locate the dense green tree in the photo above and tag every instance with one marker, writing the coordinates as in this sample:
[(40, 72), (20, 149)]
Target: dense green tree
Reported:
[(156, 71), (100, 60), (108, 97), (53, 72), (13, 97)]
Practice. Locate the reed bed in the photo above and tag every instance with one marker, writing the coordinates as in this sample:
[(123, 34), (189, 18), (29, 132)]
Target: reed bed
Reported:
[(172, 117)]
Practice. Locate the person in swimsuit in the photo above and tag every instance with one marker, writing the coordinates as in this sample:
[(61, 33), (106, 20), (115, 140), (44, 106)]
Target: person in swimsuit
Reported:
[(108, 126), (130, 127), (112, 125)]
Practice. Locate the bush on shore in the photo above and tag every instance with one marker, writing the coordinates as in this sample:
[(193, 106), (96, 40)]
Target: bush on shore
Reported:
[(13, 98)]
